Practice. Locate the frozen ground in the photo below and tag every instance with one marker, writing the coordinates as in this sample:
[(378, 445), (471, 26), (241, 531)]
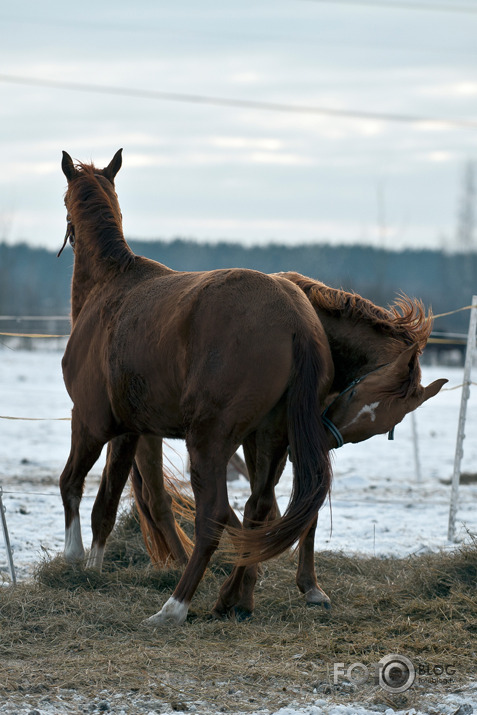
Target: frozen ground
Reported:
[(380, 503)]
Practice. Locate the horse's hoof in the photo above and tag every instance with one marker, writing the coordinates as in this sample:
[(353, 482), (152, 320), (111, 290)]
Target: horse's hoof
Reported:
[(323, 604), (73, 561), (317, 597), (219, 616), (74, 555), (92, 565), (173, 612), (94, 560), (221, 612), (242, 614)]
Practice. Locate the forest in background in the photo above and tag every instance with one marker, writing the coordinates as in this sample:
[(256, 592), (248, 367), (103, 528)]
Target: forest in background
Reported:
[(34, 282)]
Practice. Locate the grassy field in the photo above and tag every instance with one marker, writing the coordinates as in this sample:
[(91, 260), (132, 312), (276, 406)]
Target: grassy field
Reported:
[(75, 629)]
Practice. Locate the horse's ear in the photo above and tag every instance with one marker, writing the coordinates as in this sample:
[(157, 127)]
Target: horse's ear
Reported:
[(113, 167), (68, 167), (433, 389), (401, 366)]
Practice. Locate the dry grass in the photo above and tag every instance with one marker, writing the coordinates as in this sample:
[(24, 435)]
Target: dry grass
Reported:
[(76, 629)]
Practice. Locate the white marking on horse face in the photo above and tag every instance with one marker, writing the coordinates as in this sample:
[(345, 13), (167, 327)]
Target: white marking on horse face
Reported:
[(366, 409), (173, 611), (95, 558), (74, 550)]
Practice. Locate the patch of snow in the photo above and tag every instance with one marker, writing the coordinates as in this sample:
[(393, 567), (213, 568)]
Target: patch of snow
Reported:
[(379, 505)]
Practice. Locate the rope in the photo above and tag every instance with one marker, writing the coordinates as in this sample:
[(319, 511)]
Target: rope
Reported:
[(20, 318), (68, 419), (448, 389), (419, 501), (34, 335), (430, 340), (46, 335), (51, 494), (451, 312), (37, 419), (444, 341)]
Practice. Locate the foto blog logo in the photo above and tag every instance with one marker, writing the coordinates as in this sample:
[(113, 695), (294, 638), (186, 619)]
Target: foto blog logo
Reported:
[(394, 673)]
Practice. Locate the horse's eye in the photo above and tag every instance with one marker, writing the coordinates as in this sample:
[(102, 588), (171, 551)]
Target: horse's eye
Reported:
[(352, 393)]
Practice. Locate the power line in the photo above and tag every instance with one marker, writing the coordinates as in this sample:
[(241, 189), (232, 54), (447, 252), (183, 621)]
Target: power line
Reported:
[(250, 36), (401, 6), (238, 103)]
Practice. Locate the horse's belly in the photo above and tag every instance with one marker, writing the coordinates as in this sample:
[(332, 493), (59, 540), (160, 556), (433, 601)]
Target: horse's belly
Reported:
[(147, 402)]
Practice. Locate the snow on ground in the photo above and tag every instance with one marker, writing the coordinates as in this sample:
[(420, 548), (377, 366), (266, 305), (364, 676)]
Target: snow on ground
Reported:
[(381, 502)]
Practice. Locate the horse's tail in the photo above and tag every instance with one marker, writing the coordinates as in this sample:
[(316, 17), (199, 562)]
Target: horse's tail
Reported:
[(181, 505), (308, 442)]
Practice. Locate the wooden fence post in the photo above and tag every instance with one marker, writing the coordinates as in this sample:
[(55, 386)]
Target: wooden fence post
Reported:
[(415, 443), (459, 449), (7, 540)]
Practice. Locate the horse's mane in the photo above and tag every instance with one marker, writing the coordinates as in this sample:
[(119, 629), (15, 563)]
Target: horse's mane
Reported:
[(405, 320), (88, 199)]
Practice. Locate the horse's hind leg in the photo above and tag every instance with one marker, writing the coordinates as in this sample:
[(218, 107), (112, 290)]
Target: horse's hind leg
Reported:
[(85, 450), (306, 575), (265, 457), (209, 482), (118, 465), (164, 538)]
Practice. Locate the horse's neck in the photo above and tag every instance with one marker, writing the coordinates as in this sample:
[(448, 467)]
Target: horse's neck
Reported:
[(81, 286), (87, 275), (356, 347), (120, 274), (100, 256)]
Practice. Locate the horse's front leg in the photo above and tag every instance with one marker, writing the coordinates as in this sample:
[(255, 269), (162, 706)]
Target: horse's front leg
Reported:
[(85, 450), (306, 575), (118, 465), (209, 483)]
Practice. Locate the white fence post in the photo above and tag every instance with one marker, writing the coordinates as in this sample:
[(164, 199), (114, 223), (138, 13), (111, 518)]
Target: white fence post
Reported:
[(459, 449), (7, 540), (417, 461)]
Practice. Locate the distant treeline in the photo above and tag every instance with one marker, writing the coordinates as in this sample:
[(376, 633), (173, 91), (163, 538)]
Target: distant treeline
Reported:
[(34, 282)]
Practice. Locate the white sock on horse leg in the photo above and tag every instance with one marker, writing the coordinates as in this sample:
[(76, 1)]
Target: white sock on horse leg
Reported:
[(173, 611), (95, 558), (74, 550)]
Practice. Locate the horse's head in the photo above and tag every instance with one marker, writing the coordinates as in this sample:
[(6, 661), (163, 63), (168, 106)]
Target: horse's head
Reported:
[(377, 402), (72, 171), (105, 178)]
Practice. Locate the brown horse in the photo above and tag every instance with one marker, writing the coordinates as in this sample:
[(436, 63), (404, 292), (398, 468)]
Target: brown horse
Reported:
[(216, 357), (219, 358), (376, 357)]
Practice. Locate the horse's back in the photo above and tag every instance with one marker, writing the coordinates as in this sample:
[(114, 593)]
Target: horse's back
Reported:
[(176, 343)]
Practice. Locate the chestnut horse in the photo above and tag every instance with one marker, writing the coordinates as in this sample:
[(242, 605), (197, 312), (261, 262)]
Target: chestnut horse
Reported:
[(215, 358), (219, 358), (376, 357)]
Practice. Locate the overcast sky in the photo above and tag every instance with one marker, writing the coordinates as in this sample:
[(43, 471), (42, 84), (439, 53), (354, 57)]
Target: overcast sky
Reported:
[(211, 170)]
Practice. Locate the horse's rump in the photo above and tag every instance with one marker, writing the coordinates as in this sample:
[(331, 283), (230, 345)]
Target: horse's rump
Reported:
[(179, 342), (308, 441)]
